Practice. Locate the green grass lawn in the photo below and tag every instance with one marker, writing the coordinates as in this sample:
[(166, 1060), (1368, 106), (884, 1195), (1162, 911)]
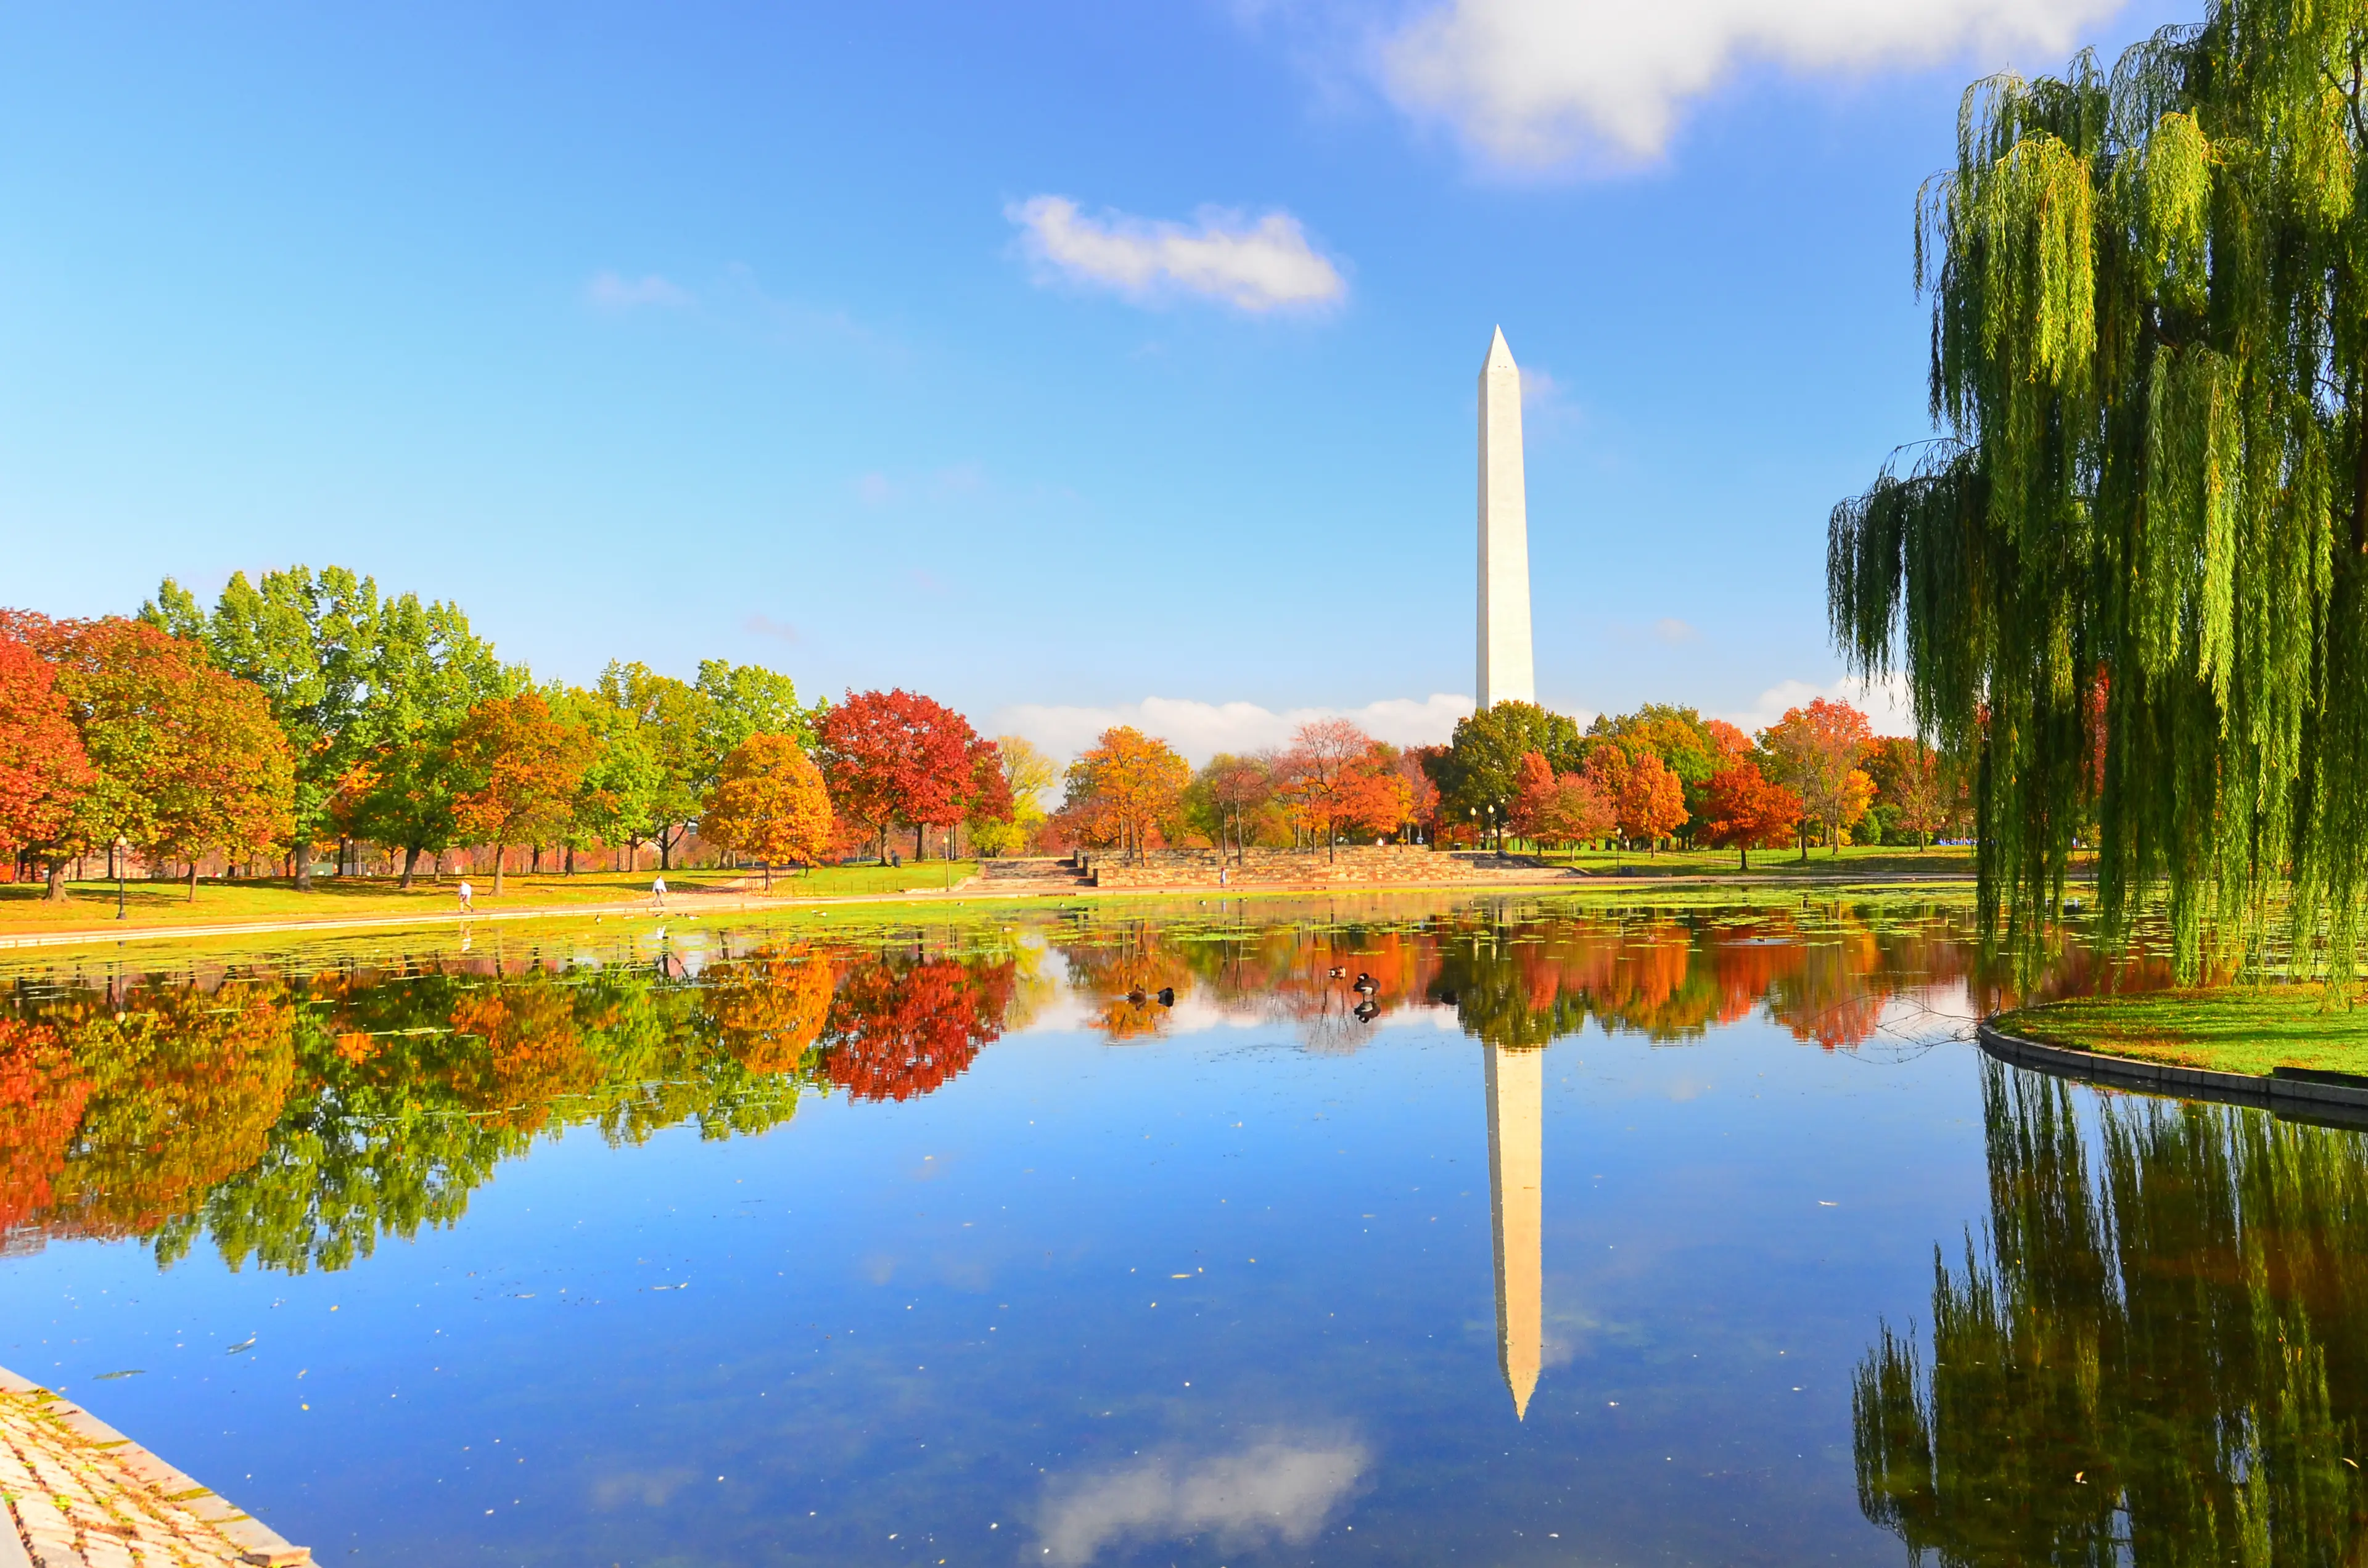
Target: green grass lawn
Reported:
[(1857, 859), (2233, 1029), (151, 905)]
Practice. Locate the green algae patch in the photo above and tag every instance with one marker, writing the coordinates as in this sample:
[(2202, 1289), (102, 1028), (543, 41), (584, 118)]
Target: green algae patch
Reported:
[(2254, 1029)]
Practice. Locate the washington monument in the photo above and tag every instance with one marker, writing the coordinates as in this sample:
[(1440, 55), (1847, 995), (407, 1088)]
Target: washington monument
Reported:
[(1505, 674)]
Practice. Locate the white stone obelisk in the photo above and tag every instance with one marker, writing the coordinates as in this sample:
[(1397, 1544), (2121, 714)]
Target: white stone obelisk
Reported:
[(1505, 674), (1516, 1202)]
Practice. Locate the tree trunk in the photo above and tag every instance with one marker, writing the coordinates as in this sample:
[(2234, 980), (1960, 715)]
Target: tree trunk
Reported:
[(193, 879), (1747, 857), (571, 860), (769, 876), (303, 866), (56, 892), (501, 856), (665, 849), (410, 865), (920, 844)]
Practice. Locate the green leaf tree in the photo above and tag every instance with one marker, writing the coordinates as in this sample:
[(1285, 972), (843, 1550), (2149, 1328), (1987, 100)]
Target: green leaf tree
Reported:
[(428, 670), (307, 643)]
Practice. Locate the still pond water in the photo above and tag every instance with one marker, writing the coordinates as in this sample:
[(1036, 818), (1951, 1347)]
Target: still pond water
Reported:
[(1582, 1235)]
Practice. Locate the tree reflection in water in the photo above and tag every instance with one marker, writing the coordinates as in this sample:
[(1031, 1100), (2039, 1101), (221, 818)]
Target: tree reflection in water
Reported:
[(2153, 1354), (291, 1120), (1529, 980)]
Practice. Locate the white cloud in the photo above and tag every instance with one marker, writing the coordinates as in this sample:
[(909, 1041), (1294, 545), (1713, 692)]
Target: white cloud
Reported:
[(1223, 256), (764, 625), (1533, 83), (1884, 702), (613, 292), (1672, 630), (1200, 730), (1283, 1487)]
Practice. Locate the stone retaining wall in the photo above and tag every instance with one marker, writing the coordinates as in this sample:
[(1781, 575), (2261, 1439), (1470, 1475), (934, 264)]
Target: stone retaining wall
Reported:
[(1348, 863)]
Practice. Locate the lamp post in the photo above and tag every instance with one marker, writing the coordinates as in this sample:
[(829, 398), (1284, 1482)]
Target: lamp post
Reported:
[(117, 856)]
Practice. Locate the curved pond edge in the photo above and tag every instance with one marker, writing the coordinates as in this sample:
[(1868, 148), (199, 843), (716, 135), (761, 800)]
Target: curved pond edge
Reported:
[(2295, 1093)]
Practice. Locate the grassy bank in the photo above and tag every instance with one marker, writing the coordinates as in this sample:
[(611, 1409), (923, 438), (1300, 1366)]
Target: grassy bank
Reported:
[(2229, 1029), (159, 905)]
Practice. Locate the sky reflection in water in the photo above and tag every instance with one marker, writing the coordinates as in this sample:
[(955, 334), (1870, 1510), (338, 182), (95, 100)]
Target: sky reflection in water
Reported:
[(1609, 1236)]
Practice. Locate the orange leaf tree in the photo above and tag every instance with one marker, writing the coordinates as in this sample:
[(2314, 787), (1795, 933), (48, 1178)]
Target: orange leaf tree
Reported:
[(1907, 775), (1340, 779), (1128, 783), (184, 758), (768, 803), (522, 767), (1745, 809), (1812, 751), (42, 769), (1652, 802)]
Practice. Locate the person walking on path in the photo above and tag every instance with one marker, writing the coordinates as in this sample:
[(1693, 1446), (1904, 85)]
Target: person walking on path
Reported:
[(468, 897), (657, 896)]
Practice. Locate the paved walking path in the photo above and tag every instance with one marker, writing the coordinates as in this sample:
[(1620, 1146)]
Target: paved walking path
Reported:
[(80, 1495)]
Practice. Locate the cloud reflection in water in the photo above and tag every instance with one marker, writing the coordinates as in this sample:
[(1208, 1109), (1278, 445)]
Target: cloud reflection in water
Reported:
[(1284, 1486)]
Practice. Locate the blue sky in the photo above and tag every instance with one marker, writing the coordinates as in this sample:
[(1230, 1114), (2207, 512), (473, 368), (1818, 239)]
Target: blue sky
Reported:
[(1053, 359)]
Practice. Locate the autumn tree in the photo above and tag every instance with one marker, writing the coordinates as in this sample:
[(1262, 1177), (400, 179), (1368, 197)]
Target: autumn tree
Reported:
[(184, 759), (1744, 809), (1339, 779), (428, 671), (308, 645), (1225, 796), (1814, 751), (42, 769), (1125, 784), (768, 803), (1652, 802), (519, 768), (1417, 765), (1028, 773), (1691, 746), (1479, 774), (1558, 808), (1908, 780), (671, 722), (896, 756)]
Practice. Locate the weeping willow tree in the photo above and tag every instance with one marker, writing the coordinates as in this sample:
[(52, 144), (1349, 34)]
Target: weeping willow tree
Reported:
[(2125, 584)]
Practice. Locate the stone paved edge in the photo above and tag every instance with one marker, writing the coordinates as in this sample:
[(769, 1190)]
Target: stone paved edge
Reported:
[(257, 1541), (2284, 1095)]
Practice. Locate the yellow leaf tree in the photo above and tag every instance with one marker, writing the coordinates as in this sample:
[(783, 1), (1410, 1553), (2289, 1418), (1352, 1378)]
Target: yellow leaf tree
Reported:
[(768, 803)]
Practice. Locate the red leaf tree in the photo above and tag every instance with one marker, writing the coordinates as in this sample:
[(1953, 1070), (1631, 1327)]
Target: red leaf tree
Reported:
[(1557, 808), (894, 757), (1745, 810)]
